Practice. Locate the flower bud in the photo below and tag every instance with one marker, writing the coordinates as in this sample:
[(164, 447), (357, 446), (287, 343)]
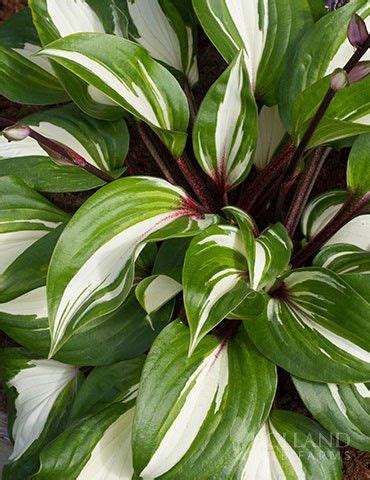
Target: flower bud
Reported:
[(339, 79), (357, 31), (359, 72), (16, 132)]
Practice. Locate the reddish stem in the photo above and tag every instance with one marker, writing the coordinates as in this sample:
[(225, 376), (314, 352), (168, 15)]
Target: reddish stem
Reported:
[(304, 190), (64, 151), (349, 210)]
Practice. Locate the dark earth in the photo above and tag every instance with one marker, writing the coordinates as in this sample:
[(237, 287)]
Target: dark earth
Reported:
[(356, 464)]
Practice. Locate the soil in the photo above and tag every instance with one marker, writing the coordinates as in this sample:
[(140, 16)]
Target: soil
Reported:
[(356, 464)]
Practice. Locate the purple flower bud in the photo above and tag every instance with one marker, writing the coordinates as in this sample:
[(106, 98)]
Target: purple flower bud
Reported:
[(357, 31), (335, 4), (16, 132), (339, 79), (359, 72)]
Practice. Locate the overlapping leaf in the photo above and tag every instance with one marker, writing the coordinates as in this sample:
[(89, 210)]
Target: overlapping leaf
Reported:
[(25, 78), (102, 144), (191, 409), (56, 19), (287, 447), (225, 132), (265, 29), (270, 135), (315, 325), (323, 49), (155, 291), (358, 171), (41, 391), (343, 409), (92, 268), (169, 36), (214, 279), (127, 74)]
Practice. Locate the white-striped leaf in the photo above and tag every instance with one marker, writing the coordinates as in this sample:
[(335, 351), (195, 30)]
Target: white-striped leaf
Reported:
[(127, 74), (167, 31), (290, 446), (214, 279), (102, 144), (323, 208), (327, 48), (270, 136), (343, 409), (97, 441), (268, 255), (25, 217), (92, 268), (25, 78), (265, 29), (41, 391), (225, 132), (316, 327), (358, 171), (155, 291), (191, 409), (56, 19)]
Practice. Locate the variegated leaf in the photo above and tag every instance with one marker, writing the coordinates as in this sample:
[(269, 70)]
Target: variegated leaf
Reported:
[(323, 208), (214, 279), (155, 291), (102, 144), (56, 19), (270, 136), (171, 257), (265, 29), (191, 409), (225, 132), (169, 36), (358, 171), (25, 78), (92, 268), (41, 391), (97, 441), (25, 217), (327, 48), (290, 446), (127, 74), (315, 326), (343, 409), (268, 255)]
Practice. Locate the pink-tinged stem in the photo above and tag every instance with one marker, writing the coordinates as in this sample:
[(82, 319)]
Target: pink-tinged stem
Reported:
[(251, 195), (352, 207), (154, 153), (66, 153), (304, 190)]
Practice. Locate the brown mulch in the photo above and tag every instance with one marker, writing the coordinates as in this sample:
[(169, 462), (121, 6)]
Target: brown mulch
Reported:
[(356, 463)]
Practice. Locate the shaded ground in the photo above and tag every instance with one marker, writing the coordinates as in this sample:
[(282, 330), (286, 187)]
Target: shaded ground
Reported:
[(356, 464)]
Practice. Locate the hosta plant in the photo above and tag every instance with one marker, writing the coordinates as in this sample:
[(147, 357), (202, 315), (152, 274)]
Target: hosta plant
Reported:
[(146, 331)]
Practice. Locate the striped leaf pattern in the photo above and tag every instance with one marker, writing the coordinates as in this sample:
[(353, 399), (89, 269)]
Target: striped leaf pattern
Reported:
[(265, 29), (323, 208), (41, 391), (166, 30), (25, 217), (25, 78), (343, 409), (139, 84), (92, 268), (315, 326), (327, 46), (288, 447), (271, 133), (225, 133), (214, 279), (155, 291), (56, 19), (190, 409), (102, 144), (358, 172)]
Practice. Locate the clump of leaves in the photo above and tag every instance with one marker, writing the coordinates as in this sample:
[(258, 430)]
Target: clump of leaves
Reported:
[(151, 322)]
